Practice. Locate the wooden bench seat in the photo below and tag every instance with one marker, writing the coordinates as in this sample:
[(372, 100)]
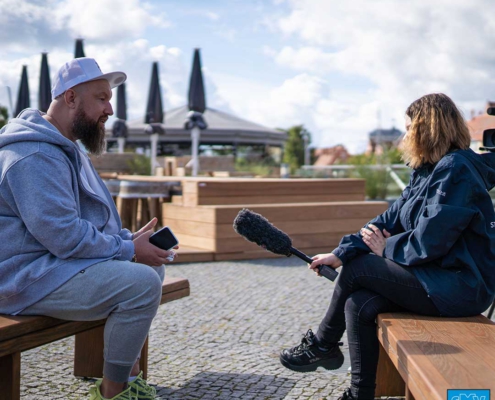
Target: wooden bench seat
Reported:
[(21, 333), (422, 357)]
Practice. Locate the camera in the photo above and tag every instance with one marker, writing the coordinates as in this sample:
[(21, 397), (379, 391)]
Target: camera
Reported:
[(489, 134)]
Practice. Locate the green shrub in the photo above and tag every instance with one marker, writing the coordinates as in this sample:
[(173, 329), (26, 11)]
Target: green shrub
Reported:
[(140, 165)]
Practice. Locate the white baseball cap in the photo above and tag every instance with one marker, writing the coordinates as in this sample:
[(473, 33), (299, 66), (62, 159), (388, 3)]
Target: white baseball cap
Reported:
[(80, 70)]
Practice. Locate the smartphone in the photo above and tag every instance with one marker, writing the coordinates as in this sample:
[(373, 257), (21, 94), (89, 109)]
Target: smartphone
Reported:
[(164, 239)]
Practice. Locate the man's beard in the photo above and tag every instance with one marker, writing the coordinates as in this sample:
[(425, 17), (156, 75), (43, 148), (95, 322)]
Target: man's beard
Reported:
[(90, 133)]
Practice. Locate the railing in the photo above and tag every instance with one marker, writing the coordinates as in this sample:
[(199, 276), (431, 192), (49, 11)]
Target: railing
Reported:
[(345, 171)]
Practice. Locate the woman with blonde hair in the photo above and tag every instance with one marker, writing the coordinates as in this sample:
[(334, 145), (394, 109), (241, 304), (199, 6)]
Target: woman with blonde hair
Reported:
[(430, 253)]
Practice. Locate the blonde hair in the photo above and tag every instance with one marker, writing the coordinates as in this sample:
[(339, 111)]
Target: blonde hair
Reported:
[(437, 127)]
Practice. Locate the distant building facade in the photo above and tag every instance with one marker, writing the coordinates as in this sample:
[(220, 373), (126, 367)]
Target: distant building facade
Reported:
[(383, 139)]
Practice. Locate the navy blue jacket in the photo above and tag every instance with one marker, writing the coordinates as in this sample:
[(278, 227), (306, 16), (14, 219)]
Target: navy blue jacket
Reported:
[(443, 229)]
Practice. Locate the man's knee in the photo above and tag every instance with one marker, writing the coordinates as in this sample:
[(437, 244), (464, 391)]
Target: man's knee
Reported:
[(144, 285)]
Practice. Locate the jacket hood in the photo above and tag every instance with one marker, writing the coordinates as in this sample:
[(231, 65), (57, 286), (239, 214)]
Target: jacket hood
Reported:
[(484, 164), (30, 126)]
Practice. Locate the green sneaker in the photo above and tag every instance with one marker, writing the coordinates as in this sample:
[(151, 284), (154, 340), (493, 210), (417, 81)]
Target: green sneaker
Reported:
[(141, 390), (94, 393)]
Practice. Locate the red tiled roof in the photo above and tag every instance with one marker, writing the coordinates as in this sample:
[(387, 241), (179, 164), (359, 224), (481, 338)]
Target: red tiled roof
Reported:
[(329, 156), (479, 123)]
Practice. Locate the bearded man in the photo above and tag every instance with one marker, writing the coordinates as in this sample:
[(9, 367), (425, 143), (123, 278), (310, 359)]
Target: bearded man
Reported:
[(64, 253)]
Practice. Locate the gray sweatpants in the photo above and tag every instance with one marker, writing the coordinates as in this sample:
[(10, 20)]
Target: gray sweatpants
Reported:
[(127, 294)]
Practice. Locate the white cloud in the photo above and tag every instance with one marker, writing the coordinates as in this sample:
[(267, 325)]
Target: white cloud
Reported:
[(106, 20), (33, 26), (212, 15), (226, 33), (409, 48), (402, 49)]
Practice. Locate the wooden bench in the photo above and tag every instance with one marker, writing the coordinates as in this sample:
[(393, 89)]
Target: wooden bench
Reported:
[(421, 357), (21, 333)]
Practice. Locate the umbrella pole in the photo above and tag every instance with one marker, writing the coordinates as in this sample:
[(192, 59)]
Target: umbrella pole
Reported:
[(154, 145), (121, 142), (194, 150)]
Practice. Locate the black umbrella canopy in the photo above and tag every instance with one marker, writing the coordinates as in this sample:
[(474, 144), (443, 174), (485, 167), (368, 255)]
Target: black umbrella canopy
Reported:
[(154, 110), (44, 92), (197, 101), (121, 102), (119, 128), (23, 100), (79, 51)]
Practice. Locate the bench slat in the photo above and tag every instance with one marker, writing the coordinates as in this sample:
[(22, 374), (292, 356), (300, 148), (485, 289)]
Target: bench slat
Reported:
[(20, 333), (433, 355)]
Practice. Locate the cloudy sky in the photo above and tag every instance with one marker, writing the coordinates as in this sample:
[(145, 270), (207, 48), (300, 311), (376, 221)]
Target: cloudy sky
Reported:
[(340, 68)]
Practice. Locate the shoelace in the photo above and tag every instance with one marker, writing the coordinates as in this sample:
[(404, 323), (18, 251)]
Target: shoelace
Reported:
[(141, 385), (306, 341)]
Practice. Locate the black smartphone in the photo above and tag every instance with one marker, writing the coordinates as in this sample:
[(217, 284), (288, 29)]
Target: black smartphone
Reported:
[(164, 239)]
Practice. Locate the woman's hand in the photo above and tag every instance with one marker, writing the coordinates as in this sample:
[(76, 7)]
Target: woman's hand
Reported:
[(329, 259), (375, 239)]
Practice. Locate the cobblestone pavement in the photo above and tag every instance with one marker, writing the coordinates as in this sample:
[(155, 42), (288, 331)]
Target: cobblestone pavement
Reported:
[(222, 342)]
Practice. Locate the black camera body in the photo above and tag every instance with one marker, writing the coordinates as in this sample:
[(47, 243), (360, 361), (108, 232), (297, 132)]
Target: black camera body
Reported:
[(489, 135)]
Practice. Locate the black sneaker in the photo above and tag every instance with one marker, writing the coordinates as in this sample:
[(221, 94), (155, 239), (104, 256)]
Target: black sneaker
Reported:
[(308, 357), (346, 395)]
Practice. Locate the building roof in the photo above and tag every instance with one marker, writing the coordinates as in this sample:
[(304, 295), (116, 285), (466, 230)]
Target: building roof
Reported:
[(380, 135), (222, 128), (329, 156)]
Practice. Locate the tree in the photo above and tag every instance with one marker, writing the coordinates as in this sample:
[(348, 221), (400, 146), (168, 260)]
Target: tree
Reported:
[(294, 147), (4, 116)]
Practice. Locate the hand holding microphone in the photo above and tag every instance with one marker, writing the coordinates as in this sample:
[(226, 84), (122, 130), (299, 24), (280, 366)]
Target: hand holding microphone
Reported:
[(256, 228)]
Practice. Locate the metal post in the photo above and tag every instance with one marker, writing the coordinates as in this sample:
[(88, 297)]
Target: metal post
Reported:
[(121, 142), (194, 150), (306, 149), (154, 146), (9, 94)]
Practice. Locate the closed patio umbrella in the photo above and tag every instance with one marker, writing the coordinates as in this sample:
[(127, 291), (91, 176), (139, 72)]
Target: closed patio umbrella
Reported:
[(154, 109), (197, 106), (23, 100), (79, 50), (154, 114), (44, 92)]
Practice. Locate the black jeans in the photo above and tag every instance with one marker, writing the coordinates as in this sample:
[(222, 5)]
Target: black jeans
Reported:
[(367, 286)]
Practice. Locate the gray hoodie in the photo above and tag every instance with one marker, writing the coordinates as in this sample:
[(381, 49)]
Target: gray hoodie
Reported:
[(51, 226)]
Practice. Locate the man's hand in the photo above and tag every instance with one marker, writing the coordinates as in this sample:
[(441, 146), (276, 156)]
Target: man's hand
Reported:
[(149, 254), (375, 239), (149, 226), (329, 259)]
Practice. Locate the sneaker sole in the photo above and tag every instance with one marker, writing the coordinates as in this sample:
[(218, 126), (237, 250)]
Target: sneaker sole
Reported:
[(330, 364)]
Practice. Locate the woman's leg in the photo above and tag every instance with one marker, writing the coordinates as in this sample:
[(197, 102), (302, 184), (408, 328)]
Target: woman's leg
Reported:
[(368, 286), (361, 309), (382, 276)]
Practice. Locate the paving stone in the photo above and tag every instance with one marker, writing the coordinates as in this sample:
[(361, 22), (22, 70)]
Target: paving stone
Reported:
[(222, 342)]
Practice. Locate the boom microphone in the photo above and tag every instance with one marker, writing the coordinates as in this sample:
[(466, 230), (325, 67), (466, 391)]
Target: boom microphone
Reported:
[(256, 228)]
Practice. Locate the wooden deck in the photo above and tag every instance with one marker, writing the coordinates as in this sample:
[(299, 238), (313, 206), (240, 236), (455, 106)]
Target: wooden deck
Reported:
[(315, 213)]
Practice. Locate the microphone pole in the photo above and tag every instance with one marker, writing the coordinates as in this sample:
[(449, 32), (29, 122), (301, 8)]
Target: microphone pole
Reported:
[(325, 270)]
